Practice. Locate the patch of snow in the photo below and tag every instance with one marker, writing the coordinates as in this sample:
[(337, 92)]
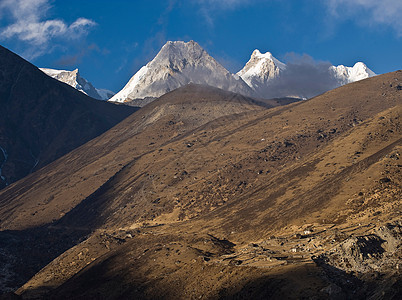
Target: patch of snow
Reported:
[(35, 163), (131, 85), (74, 79), (269, 56), (52, 72), (3, 163)]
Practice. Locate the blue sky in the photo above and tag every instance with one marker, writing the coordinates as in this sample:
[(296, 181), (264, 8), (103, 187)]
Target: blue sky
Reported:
[(110, 40)]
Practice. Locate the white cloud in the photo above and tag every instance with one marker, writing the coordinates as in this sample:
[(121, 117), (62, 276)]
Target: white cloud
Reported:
[(384, 12), (28, 23), (209, 8), (226, 4)]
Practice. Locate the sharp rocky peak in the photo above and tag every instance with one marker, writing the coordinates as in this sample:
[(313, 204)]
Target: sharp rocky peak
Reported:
[(177, 64), (74, 79), (257, 54), (178, 54), (261, 68)]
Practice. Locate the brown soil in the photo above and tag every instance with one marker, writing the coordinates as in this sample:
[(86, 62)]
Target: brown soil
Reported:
[(207, 194)]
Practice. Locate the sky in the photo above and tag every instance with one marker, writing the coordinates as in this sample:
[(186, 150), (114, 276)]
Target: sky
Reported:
[(108, 41)]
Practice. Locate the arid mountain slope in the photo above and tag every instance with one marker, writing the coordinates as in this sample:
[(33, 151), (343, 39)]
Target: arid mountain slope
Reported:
[(229, 158), (82, 172), (42, 119), (173, 115), (254, 203)]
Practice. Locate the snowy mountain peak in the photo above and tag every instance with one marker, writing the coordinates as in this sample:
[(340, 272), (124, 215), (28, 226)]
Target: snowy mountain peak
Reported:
[(351, 74), (177, 64), (178, 54), (261, 68), (257, 53), (267, 56), (181, 45), (74, 79), (360, 67)]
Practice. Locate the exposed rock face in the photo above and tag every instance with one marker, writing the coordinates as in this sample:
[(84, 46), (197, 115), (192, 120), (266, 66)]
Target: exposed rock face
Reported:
[(74, 79), (177, 64), (378, 251)]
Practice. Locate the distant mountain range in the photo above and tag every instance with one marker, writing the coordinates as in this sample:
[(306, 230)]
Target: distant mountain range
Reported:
[(179, 63), (74, 79), (269, 77)]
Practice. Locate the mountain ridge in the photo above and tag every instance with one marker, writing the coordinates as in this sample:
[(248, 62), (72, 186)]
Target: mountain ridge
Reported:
[(263, 71), (179, 63), (74, 79), (43, 118)]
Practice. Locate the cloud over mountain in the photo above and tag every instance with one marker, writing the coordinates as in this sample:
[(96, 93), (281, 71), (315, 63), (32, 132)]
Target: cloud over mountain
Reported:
[(208, 8), (224, 3), (27, 22), (385, 12), (303, 77)]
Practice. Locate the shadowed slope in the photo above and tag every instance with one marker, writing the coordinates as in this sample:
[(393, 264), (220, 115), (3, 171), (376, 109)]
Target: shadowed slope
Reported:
[(53, 191), (42, 119)]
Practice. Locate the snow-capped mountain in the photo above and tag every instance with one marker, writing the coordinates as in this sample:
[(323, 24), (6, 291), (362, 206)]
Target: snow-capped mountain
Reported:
[(346, 75), (177, 64), (74, 79), (260, 69), (269, 77)]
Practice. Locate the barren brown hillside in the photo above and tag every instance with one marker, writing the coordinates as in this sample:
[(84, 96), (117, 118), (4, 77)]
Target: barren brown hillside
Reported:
[(204, 194)]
